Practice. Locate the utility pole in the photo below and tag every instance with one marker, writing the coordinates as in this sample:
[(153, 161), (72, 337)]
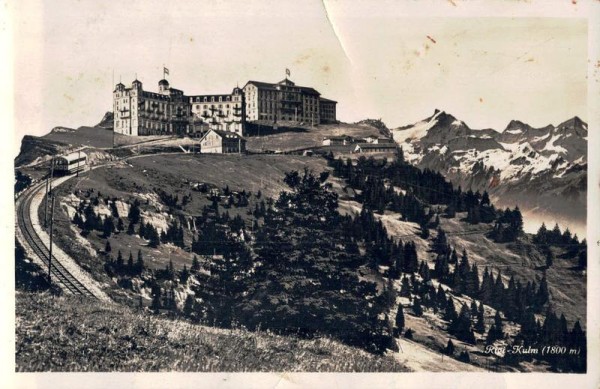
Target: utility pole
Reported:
[(48, 191), (78, 160), (51, 233), (46, 206)]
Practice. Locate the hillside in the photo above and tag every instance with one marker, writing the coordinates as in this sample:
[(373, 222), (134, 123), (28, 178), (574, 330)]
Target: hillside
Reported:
[(65, 334), (230, 239), (306, 137)]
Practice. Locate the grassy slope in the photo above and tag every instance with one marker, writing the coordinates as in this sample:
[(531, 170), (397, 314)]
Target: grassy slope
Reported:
[(567, 286), (169, 173), (312, 137), (96, 137), (68, 334)]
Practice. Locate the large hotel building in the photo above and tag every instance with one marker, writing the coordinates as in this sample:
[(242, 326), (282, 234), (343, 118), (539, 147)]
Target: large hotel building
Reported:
[(138, 112)]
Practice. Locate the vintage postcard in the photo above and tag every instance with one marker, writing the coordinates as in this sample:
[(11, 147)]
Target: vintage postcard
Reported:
[(233, 187)]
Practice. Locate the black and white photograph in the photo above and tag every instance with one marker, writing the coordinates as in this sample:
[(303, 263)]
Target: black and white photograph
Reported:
[(287, 187)]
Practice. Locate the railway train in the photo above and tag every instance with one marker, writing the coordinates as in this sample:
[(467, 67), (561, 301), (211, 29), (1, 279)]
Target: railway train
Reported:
[(70, 163)]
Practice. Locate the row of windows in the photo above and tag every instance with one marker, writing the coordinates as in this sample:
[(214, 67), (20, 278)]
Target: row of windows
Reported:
[(206, 106), (213, 98)]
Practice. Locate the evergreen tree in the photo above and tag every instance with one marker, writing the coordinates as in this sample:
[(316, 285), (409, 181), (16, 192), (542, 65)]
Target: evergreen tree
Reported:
[(582, 259), (141, 231), (449, 348), (188, 305), (107, 248), (195, 265), (480, 324), (417, 308), (404, 287), (184, 274), (108, 226), (399, 322), (461, 326), (131, 229), (153, 236), (542, 294), (120, 225), (134, 212), (549, 258), (306, 274), (139, 264), (156, 298), (130, 267), (120, 261)]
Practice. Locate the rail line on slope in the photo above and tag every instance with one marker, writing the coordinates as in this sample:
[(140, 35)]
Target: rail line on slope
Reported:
[(58, 271)]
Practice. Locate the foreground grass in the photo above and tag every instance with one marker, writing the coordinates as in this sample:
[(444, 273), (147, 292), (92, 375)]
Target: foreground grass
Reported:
[(69, 334)]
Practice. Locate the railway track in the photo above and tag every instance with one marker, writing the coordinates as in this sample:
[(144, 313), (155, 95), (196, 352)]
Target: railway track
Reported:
[(58, 271)]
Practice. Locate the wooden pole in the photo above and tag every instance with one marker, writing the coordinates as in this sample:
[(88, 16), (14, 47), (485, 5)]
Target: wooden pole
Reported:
[(46, 206), (50, 251), (48, 191)]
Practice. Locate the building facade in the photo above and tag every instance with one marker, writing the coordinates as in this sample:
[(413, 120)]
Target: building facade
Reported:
[(222, 142), (286, 103), (375, 148), (218, 112), (139, 112), (170, 112), (327, 108)]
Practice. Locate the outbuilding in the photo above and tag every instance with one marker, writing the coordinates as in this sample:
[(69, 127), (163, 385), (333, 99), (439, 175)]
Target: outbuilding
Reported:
[(222, 142)]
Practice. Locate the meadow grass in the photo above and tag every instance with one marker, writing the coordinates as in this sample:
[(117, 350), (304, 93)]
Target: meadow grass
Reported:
[(72, 334)]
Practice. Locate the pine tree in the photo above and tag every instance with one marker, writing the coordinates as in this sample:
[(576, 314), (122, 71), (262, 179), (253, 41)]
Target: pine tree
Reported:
[(184, 274), (449, 348), (541, 237), (107, 248), (188, 305), (582, 259), (480, 324), (399, 322), (139, 264), (120, 225), (461, 327), (134, 212), (120, 261), (108, 226), (141, 231), (195, 265), (542, 294), (156, 298), (404, 287), (417, 308), (153, 236), (131, 229), (130, 267)]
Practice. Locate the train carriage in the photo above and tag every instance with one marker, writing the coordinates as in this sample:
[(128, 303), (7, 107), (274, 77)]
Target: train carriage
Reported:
[(70, 163)]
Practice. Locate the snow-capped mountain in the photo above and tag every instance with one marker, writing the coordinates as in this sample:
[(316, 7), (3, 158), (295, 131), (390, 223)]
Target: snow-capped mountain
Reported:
[(540, 169)]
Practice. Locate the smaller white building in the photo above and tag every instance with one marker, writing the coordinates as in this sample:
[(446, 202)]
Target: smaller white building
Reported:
[(222, 142), (377, 140), (375, 148), (337, 140)]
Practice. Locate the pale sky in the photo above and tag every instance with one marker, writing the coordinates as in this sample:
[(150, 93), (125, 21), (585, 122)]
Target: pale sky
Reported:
[(378, 62)]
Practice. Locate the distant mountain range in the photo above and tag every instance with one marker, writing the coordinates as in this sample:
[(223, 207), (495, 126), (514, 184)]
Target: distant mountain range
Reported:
[(543, 170)]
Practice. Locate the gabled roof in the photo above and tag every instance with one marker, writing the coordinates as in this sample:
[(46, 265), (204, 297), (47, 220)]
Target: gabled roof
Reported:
[(261, 84), (223, 134), (270, 86)]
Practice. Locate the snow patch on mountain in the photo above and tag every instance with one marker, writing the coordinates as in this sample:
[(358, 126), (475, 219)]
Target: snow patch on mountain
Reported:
[(417, 131)]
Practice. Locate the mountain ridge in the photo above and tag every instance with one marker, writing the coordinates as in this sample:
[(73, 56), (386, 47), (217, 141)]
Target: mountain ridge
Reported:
[(543, 169)]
